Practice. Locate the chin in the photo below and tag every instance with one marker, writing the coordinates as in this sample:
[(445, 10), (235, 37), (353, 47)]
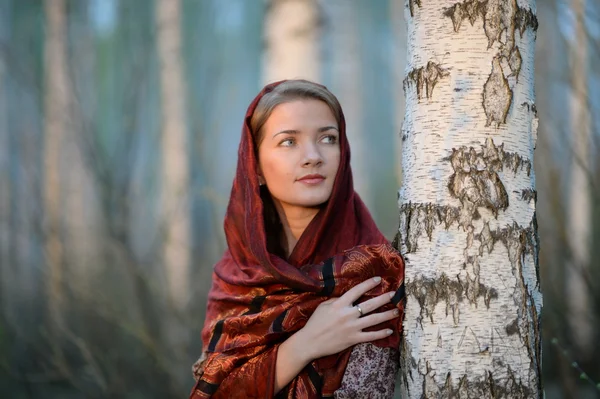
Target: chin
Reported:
[(304, 199), (313, 202)]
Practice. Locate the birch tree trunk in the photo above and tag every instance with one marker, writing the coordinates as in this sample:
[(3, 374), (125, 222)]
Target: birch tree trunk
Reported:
[(291, 33), (344, 65), (174, 148), (580, 215), (55, 113), (175, 183), (467, 206)]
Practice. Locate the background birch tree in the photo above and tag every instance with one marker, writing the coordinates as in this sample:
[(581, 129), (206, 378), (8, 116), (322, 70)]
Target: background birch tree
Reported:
[(56, 114), (175, 175), (580, 194), (291, 35), (467, 204), (346, 82)]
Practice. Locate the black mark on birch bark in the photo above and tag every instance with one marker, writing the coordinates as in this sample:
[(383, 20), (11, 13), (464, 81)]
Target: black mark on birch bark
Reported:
[(497, 95), (499, 17), (514, 62), (407, 362), (416, 219), (525, 18), (475, 181), (536, 239), (430, 388), (513, 327), (411, 6), (425, 78), (491, 157), (519, 241), (489, 386), (403, 135), (470, 10), (396, 241), (527, 314), (528, 194), (530, 107), (429, 292)]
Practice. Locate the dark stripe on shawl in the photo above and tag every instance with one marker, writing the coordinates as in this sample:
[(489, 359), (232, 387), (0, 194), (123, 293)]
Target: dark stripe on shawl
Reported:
[(399, 295), (315, 378), (256, 304), (328, 279), (207, 387), (216, 335), (278, 323)]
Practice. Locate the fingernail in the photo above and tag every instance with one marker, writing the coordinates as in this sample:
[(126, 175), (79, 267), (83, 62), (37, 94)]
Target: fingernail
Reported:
[(389, 332), (377, 279), (392, 294), (396, 312)]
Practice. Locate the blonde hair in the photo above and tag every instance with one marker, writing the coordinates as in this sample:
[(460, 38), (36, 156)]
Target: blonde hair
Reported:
[(288, 91)]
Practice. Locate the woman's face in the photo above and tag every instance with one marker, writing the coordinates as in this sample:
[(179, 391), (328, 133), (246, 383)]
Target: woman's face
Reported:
[(300, 153)]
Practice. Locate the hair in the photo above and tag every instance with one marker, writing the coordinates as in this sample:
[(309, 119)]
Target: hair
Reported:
[(285, 92)]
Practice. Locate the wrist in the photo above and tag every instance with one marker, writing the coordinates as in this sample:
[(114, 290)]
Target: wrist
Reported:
[(300, 346)]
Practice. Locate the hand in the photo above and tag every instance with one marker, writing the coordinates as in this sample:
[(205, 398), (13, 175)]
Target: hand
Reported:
[(336, 324)]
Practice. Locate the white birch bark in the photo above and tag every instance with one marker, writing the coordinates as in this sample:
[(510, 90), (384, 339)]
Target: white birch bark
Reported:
[(175, 169), (580, 215), (55, 122), (467, 206), (344, 62), (291, 34)]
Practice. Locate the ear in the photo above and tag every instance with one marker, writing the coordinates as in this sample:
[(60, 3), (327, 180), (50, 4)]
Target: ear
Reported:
[(261, 179)]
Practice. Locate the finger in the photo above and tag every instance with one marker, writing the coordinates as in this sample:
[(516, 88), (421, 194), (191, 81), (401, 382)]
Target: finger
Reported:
[(376, 318), (374, 303), (374, 335), (358, 290)]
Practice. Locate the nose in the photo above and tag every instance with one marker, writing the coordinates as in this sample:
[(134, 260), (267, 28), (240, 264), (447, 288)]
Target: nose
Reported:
[(312, 155)]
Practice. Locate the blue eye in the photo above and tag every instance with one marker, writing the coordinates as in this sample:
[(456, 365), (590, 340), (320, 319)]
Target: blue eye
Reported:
[(287, 142), (330, 139)]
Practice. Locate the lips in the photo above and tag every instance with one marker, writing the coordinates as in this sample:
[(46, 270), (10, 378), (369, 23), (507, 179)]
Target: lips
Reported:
[(312, 179)]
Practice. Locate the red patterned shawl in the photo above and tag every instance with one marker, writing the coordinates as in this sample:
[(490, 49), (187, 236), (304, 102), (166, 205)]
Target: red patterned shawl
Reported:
[(258, 299)]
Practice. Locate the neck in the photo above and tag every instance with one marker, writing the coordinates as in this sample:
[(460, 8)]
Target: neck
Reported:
[(294, 220)]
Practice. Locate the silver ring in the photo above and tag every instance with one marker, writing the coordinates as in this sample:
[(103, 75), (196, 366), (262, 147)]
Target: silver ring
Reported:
[(359, 310)]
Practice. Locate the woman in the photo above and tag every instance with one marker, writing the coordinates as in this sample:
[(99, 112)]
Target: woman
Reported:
[(309, 293)]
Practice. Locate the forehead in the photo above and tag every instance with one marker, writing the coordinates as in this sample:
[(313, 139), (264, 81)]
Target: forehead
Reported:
[(301, 113)]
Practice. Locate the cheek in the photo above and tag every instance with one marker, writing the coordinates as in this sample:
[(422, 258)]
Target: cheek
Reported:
[(334, 159), (276, 169)]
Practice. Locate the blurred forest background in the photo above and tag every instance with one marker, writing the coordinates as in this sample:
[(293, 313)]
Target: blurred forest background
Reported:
[(119, 127)]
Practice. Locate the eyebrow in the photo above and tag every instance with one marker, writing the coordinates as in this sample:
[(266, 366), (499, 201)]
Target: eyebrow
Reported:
[(320, 130)]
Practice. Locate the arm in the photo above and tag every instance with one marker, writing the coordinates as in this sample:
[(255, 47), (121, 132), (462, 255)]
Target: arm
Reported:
[(291, 359), (275, 368)]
